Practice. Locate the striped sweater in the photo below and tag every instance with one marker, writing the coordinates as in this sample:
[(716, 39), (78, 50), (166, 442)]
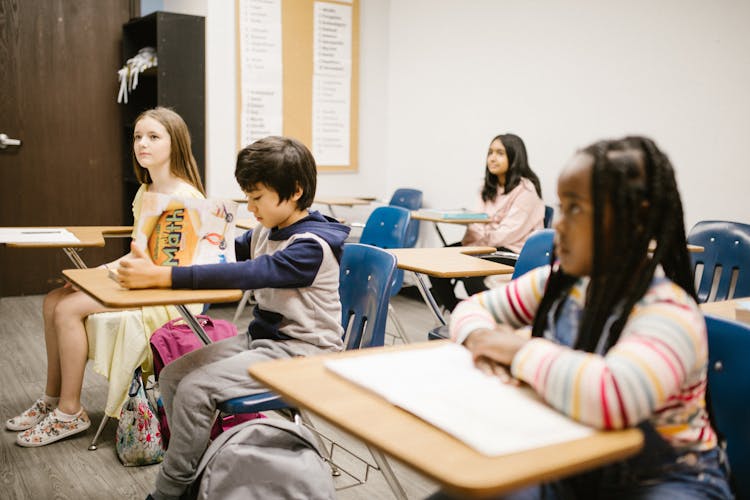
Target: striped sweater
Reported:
[(656, 371)]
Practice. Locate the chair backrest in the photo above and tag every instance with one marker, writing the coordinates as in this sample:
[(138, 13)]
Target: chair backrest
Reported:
[(410, 199), (386, 228), (722, 270), (365, 280), (729, 385), (407, 198), (536, 252), (365, 277), (549, 212)]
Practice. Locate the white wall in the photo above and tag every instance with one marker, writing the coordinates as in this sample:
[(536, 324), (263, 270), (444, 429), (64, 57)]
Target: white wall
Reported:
[(440, 78), (562, 74)]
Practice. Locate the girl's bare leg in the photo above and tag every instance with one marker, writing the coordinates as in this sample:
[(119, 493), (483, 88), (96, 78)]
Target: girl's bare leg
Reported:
[(73, 347), (50, 339)]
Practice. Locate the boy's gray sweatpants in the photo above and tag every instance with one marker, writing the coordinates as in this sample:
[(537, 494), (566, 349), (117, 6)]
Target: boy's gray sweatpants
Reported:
[(193, 385)]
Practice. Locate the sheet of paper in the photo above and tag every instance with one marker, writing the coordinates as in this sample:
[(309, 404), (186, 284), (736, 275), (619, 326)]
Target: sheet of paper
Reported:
[(37, 235), (441, 386)]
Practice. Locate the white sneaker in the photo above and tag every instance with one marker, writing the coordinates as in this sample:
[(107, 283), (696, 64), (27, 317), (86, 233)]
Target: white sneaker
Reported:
[(52, 429), (30, 417)]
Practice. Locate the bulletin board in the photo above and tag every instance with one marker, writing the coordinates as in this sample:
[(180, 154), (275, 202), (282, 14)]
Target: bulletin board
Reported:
[(312, 93)]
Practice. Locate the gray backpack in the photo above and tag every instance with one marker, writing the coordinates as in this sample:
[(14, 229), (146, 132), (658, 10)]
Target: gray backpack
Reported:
[(263, 459)]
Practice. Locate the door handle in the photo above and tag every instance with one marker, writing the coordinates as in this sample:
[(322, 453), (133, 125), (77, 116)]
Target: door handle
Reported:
[(6, 141)]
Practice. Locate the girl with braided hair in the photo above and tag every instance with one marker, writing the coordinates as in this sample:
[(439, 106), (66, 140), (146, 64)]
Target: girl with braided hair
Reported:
[(617, 338)]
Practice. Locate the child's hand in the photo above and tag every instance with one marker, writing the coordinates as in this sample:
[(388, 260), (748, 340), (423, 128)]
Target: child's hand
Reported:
[(493, 350), (138, 271), (489, 367)]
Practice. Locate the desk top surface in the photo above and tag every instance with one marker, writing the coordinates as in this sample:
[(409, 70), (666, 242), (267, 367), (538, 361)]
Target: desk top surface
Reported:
[(448, 262), (343, 201), (89, 236), (724, 308), (307, 383), (420, 215), (97, 284)]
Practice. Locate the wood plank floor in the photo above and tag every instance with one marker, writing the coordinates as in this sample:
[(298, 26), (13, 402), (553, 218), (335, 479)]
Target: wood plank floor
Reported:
[(67, 470)]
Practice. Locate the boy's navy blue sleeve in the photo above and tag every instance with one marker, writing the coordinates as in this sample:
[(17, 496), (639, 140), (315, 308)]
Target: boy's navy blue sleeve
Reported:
[(242, 245), (293, 267)]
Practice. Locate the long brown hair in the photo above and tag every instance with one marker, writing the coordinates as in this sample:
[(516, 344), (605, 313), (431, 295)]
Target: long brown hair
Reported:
[(181, 160)]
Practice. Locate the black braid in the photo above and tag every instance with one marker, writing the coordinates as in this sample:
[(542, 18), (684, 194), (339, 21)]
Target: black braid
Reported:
[(633, 184), (518, 167)]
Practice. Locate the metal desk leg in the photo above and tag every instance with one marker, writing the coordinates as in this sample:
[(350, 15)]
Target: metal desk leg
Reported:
[(330, 210), (241, 306), (193, 323), (428, 298), (390, 477), (75, 258), (440, 234), (92, 445)]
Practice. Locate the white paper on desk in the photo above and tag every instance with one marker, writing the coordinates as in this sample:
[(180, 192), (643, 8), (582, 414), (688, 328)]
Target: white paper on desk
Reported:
[(37, 235), (441, 386)]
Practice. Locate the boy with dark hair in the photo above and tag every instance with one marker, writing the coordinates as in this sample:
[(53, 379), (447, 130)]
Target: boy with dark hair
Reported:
[(291, 263)]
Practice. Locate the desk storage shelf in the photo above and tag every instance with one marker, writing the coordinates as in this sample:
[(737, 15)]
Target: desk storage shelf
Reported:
[(178, 82)]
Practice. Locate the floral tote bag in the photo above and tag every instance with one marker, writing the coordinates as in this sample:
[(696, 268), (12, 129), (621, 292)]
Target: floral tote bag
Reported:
[(138, 439)]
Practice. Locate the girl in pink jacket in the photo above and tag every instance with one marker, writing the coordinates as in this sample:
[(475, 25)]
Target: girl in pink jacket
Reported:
[(512, 198)]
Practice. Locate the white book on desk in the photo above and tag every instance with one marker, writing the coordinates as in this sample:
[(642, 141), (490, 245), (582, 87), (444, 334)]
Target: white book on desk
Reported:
[(442, 386), (37, 235)]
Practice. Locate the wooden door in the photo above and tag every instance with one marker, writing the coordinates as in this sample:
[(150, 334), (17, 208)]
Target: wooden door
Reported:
[(58, 95)]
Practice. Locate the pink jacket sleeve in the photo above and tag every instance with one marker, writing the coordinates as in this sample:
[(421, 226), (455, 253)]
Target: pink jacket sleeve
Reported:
[(514, 216)]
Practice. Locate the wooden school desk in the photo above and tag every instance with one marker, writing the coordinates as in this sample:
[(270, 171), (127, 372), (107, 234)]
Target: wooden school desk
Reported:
[(97, 284), (726, 309), (425, 216), (88, 236), (340, 201), (445, 262), (432, 452)]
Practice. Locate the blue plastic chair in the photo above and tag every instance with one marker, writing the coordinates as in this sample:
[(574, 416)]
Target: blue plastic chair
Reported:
[(549, 213), (386, 228), (728, 386), (411, 199), (535, 252), (725, 260), (365, 278)]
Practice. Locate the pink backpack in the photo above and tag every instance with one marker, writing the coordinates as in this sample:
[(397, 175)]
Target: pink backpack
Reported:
[(174, 339)]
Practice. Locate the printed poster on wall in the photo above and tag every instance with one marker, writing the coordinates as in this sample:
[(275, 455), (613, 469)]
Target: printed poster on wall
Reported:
[(261, 70), (332, 75)]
